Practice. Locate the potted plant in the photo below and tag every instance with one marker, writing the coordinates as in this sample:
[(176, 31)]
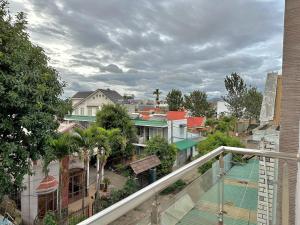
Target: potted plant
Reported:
[(102, 186), (106, 182)]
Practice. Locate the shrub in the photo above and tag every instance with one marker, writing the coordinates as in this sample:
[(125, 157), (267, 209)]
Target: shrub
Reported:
[(174, 188), (214, 141)]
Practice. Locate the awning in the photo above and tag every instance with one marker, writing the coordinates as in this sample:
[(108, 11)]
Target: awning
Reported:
[(144, 164), (185, 144), (48, 184)]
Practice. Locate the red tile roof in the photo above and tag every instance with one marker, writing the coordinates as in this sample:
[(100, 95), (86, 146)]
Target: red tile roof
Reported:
[(48, 184), (196, 122), (176, 115), (144, 164)]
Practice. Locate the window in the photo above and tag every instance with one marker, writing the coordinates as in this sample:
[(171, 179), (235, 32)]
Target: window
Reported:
[(82, 111), (47, 202), (90, 111), (76, 112), (181, 131), (75, 184)]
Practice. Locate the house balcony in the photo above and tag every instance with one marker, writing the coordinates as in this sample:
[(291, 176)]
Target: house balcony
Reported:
[(232, 191)]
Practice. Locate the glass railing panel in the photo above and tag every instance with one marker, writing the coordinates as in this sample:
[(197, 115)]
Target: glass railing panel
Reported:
[(240, 191)]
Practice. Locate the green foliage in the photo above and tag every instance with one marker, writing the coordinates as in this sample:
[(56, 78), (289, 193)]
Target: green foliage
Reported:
[(236, 90), (252, 102), (224, 124), (167, 153), (214, 141), (175, 100), (174, 188), (50, 219), (64, 108), (116, 116), (130, 187), (197, 103), (123, 170), (62, 146), (29, 99), (74, 220)]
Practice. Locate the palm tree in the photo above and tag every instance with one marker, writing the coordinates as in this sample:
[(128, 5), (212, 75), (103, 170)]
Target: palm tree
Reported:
[(61, 147), (85, 141), (157, 93)]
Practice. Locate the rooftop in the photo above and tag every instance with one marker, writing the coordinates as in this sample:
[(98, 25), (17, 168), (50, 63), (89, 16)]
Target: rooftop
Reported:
[(144, 164), (176, 115), (184, 144), (151, 123)]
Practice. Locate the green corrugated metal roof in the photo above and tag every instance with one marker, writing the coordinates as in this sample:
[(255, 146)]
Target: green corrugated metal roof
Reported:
[(184, 144), (80, 118), (151, 123)]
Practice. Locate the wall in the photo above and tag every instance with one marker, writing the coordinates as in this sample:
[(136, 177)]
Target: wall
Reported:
[(268, 103), (290, 116), (29, 197), (96, 101), (267, 195), (222, 109), (29, 200), (179, 133)]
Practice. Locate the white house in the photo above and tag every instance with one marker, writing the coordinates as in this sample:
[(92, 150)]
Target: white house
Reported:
[(222, 109), (87, 103)]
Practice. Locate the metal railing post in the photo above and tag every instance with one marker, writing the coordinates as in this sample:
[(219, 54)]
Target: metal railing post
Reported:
[(155, 218), (221, 190), (285, 195)]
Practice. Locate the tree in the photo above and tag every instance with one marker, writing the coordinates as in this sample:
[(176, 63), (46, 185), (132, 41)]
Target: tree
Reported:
[(236, 90), (29, 99), (175, 100), (157, 93), (62, 146), (86, 142), (64, 108), (214, 141), (197, 103), (167, 153), (116, 116), (252, 103)]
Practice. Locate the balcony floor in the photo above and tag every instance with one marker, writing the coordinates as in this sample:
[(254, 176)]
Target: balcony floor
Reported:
[(240, 198)]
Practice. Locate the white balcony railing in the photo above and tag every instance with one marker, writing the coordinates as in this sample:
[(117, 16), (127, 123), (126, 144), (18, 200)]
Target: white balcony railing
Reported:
[(122, 207)]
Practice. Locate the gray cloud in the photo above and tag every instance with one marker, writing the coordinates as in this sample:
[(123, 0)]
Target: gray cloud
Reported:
[(111, 68), (142, 45)]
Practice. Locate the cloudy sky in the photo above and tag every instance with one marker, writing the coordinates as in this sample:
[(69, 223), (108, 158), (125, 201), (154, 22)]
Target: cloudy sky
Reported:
[(135, 46)]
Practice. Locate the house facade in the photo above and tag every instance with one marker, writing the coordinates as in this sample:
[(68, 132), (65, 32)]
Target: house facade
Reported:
[(88, 103), (172, 126), (41, 189)]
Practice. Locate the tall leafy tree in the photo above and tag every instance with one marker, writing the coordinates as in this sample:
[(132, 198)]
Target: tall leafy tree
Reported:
[(166, 152), (175, 100), (29, 99), (197, 103), (236, 90), (116, 116), (252, 103)]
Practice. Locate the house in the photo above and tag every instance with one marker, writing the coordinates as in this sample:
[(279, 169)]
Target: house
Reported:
[(87, 103), (41, 192), (173, 126), (222, 109), (196, 125)]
